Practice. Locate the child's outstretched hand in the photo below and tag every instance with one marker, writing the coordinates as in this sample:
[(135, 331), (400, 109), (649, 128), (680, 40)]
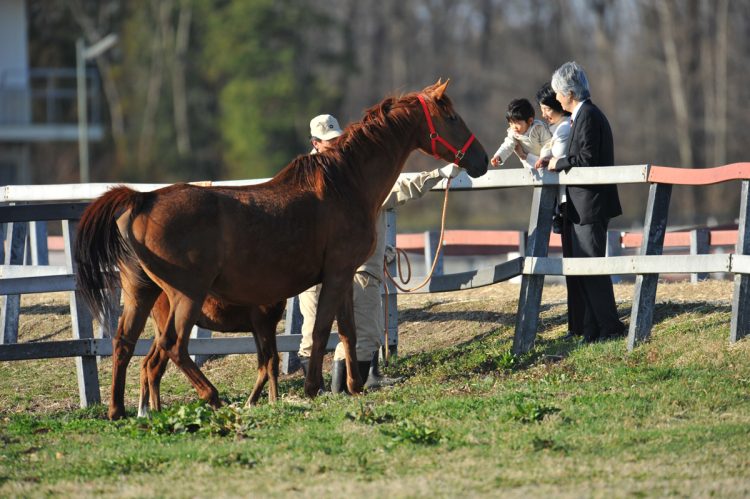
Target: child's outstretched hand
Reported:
[(496, 161)]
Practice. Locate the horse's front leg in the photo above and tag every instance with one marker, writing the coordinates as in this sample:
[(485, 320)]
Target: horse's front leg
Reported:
[(332, 292), (348, 338)]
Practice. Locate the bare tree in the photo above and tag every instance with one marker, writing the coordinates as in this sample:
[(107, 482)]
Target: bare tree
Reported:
[(95, 27), (676, 81), (154, 85), (721, 81), (179, 94)]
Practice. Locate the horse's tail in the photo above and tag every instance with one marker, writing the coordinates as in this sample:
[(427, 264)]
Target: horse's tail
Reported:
[(100, 248)]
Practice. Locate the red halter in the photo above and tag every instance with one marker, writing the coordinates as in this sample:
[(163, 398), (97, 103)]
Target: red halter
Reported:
[(434, 137)]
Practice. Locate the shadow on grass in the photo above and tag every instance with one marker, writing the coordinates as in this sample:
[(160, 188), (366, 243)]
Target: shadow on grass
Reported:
[(483, 354), (43, 309), (425, 315), (670, 310), (53, 335)]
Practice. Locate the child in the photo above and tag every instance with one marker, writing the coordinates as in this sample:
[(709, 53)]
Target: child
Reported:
[(524, 131)]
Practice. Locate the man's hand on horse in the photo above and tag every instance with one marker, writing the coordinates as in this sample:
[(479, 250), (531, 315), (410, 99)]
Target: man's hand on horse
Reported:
[(450, 171)]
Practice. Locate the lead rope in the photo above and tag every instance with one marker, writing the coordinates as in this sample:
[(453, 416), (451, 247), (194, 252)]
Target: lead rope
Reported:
[(399, 253)]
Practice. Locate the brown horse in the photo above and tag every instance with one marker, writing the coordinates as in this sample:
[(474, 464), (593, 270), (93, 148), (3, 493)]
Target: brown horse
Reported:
[(216, 316), (312, 223)]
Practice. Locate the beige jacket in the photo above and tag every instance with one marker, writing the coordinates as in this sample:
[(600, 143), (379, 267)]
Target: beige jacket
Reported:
[(404, 191), (532, 141), (557, 146)]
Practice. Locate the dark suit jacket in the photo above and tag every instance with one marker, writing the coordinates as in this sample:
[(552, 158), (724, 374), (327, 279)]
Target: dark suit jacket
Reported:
[(591, 144)]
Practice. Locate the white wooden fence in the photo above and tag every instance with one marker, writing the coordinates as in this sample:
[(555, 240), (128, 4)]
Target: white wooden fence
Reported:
[(24, 206)]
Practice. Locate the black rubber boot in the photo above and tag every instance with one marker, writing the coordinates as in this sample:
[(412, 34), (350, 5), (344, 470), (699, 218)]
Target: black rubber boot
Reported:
[(376, 379), (338, 377), (375, 365), (364, 371), (304, 362)]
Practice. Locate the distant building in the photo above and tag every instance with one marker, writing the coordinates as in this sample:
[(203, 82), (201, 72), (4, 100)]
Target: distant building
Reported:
[(36, 104)]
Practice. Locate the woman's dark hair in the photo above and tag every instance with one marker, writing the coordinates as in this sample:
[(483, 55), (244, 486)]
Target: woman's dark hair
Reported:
[(519, 110), (546, 96)]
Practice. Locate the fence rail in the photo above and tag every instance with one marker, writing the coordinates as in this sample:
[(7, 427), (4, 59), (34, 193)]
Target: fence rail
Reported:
[(24, 209)]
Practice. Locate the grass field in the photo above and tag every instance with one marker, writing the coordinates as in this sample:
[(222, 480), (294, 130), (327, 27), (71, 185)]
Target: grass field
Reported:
[(671, 418)]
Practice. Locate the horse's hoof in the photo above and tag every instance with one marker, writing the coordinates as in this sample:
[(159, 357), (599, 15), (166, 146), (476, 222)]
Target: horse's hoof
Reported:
[(354, 387), (311, 390), (116, 413)]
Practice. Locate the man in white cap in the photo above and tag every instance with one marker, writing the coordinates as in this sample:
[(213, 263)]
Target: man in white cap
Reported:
[(323, 129), (368, 305)]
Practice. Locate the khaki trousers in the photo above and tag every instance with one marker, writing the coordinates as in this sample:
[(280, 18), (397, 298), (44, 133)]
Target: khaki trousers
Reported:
[(368, 317)]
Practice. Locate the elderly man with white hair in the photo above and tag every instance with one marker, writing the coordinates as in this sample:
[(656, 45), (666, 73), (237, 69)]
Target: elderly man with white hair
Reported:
[(589, 208)]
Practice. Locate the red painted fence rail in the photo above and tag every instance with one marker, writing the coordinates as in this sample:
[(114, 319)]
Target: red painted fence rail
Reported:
[(481, 242)]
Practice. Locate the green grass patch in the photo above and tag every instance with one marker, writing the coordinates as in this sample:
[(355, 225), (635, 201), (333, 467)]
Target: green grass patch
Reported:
[(471, 418)]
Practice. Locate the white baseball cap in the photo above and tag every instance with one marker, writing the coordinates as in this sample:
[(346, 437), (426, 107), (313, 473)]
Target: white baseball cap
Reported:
[(325, 127)]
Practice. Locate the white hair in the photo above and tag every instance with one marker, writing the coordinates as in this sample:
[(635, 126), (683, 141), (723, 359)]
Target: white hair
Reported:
[(570, 78)]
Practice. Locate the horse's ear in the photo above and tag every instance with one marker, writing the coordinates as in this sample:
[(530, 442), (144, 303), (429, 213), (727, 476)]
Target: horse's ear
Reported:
[(440, 90)]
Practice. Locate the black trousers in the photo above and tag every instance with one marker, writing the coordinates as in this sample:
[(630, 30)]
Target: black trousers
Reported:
[(591, 300)]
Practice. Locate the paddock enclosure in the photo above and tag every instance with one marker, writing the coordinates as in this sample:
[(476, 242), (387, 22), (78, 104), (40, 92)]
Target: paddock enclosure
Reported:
[(24, 210)]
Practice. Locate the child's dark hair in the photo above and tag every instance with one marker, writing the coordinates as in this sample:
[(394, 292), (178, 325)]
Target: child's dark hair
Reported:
[(546, 96), (519, 110)]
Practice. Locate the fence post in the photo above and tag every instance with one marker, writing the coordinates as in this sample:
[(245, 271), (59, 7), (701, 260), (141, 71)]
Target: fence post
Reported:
[(529, 301), (614, 248), (699, 245), (80, 317), (10, 305), (292, 325), (740, 325), (644, 298), (431, 240), (523, 237), (107, 328), (390, 298), (37, 247), (199, 332)]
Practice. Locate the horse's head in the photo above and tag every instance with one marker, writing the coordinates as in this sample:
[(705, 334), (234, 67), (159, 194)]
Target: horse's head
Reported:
[(445, 135)]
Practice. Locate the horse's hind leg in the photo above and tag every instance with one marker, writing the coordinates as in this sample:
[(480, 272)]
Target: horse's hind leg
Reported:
[(184, 312), (144, 396), (265, 319), (260, 382), (268, 368), (138, 300), (152, 370), (348, 338), (155, 362)]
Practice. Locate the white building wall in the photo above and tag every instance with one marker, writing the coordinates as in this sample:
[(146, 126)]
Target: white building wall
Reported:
[(14, 48)]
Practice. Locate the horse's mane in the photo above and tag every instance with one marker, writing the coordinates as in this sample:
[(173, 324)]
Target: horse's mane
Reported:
[(381, 124)]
